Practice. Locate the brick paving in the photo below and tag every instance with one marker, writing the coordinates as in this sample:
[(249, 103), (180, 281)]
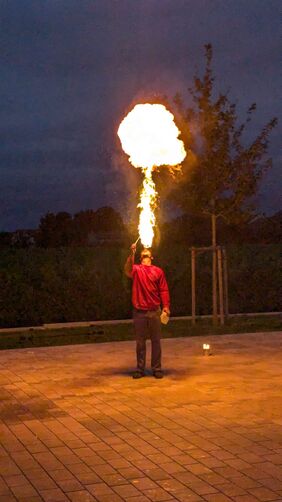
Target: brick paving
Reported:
[(74, 425)]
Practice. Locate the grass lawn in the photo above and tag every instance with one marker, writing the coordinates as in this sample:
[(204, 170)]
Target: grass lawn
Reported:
[(120, 332)]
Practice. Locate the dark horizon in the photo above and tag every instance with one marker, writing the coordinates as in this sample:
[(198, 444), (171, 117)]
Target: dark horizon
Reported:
[(71, 69)]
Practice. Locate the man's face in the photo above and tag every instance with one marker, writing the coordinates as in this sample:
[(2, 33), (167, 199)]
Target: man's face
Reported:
[(146, 257)]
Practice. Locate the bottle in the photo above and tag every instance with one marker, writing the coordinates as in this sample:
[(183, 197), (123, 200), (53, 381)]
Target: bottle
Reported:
[(164, 317)]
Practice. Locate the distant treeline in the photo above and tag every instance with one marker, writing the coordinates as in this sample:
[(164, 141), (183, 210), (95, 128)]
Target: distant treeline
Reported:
[(105, 226), (82, 283), (62, 229)]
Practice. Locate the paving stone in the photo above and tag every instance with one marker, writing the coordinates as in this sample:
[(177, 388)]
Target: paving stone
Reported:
[(4, 489), (110, 498), (157, 494), (139, 498), (212, 478), (30, 499), (131, 473), (61, 474), (42, 482), (217, 497), (25, 490), (83, 452), (126, 490), (203, 488), (222, 454), (275, 459), (54, 495), (113, 479), (81, 496), (172, 467), (70, 485), (87, 478), (99, 489), (48, 461), (246, 498), (7, 498), (172, 485), (17, 480), (251, 458), (263, 494), (231, 490), (25, 461), (8, 467), (245, 482), (144, 483), (36, 447), (270, 468), (198, 469), (227, 472), (119, 463), (93, 460), (272, 483), (188, 496), (157, 474)]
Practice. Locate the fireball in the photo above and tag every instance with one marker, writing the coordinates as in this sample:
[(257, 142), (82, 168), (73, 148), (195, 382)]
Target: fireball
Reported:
[(149, 136)]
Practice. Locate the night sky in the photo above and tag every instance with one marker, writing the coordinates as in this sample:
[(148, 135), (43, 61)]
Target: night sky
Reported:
[(71, 68)]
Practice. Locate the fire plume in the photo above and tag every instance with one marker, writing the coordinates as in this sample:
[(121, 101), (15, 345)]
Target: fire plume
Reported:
[(148, 199), (149, 136)]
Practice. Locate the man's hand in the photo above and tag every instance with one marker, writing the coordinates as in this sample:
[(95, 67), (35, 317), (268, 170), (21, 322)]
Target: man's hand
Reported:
[(133, 248), (166, 310), (128, 267)]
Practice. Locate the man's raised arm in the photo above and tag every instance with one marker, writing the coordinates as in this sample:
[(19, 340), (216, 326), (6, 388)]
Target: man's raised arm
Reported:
[(128, 267)]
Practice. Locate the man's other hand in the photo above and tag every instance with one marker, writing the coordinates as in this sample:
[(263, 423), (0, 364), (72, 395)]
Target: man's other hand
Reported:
[(166, 310), (133, 248)]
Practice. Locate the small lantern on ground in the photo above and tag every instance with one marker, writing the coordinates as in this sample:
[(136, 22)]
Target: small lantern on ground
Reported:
[(206, 349)]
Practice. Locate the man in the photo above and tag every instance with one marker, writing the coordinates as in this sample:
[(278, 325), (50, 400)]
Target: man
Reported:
[(149, 293)]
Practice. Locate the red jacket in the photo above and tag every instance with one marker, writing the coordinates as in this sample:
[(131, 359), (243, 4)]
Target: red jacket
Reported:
[(149, 289)]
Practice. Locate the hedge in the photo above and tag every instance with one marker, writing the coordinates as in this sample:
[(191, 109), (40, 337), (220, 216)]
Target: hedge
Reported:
[(81, 284)]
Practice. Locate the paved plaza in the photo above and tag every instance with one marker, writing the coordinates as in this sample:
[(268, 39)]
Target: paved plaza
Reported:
[(74, 425)]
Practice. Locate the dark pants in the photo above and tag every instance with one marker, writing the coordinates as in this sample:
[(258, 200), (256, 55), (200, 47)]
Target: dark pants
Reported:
[(147, 323)]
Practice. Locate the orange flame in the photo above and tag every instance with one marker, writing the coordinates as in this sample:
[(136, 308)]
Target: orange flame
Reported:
[(149, 136)]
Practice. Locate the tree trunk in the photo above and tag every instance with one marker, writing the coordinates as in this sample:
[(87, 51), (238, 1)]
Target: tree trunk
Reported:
[(214, 272), (193, 284)]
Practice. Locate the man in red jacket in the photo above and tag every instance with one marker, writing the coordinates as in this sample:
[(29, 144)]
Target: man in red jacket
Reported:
[(149, 294)]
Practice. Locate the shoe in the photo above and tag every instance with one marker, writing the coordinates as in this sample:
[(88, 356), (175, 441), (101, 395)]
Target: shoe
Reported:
[(158, 374), (138, 374)]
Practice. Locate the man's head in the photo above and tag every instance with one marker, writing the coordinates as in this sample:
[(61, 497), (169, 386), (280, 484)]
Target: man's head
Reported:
[(146, 257)]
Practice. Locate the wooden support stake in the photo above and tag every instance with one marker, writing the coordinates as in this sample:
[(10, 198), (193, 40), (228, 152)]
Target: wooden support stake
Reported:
[(225, 282), (214, 272), (193, 284), (214, 287), (220, 284)]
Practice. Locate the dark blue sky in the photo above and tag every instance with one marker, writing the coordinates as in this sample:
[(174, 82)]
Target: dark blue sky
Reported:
[(70, 68)]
